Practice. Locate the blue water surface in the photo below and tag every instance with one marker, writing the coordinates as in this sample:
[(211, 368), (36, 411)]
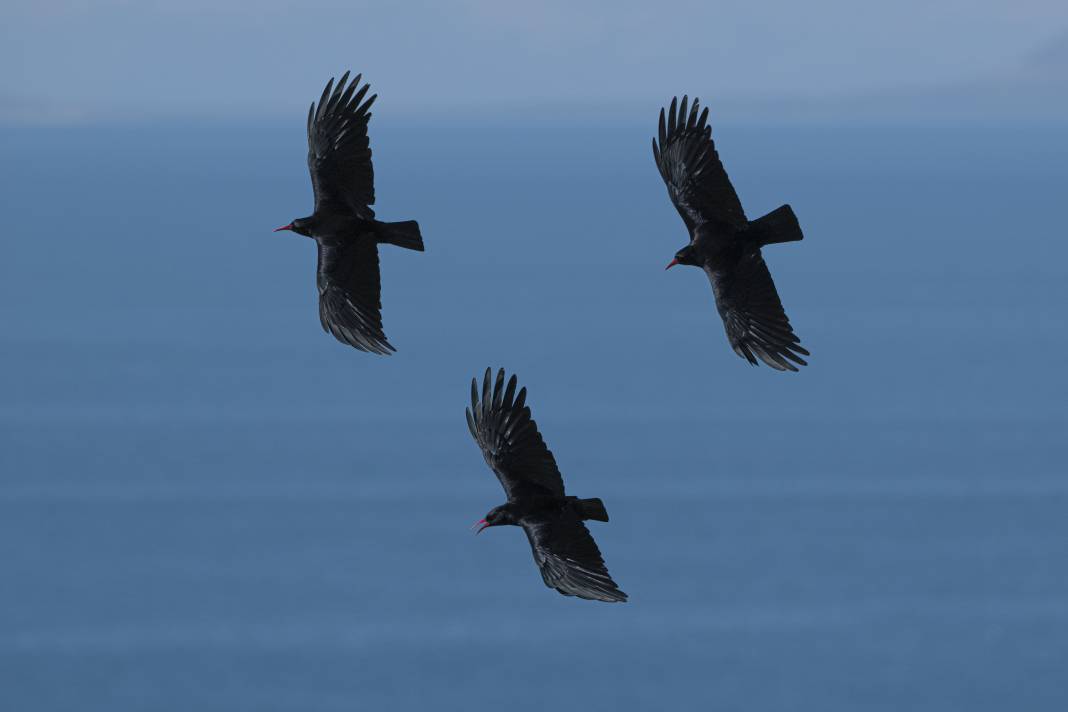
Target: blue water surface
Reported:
[(208, 504)]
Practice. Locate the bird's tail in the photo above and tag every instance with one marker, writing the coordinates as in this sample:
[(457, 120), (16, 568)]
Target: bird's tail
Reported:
[(593, 508), (402, 234), (780, 225)]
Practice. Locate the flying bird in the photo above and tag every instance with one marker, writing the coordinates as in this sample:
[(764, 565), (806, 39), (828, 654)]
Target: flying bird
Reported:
[(343, 224), (563, 549), (723, 242)]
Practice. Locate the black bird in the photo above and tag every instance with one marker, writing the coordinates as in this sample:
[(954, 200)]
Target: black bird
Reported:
[(563, 548), (724, 243), (343, 224)]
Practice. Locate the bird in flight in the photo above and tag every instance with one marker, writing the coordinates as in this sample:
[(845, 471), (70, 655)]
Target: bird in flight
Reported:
[(723, 242), (343, 224), (563, 549)]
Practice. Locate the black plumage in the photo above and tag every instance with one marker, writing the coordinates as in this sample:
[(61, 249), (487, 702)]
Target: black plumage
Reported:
[(343, 224), (723, 242), (563, 549)]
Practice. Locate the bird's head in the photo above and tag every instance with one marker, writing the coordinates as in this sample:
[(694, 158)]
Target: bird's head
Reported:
[(685, 256), (495, 518), (301, 226)]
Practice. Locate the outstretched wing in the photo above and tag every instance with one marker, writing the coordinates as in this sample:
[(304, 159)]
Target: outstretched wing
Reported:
[(510, 440), (687, 159), (752, 313), (569, 559), (349, 283), (339, 153)]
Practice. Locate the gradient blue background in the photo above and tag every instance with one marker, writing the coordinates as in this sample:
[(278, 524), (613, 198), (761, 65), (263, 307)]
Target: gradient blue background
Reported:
[(206, 503)]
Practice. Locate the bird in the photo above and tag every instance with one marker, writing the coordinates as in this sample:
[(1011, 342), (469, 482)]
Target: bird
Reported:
[(343, 224), (723, 242), (563, 549)]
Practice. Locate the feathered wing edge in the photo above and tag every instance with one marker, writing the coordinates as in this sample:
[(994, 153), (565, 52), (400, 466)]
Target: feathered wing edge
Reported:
[(342, 319), (334, 112), (337, 124), (509, 438), (755, 321), (687, 160), (570, 562), (680, 125), (350, 299)]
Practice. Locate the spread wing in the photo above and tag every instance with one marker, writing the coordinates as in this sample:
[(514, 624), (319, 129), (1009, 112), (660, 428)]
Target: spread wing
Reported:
[(339, 153), (752, 313), (696, 181), (349, 294), (569, 559), (510, 441)]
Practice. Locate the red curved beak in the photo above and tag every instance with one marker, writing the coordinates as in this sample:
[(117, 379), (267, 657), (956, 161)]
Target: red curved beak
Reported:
[(483, 524), (672, 264), (284, 227)]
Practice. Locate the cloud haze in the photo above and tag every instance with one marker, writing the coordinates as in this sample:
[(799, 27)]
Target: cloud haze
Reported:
[(115, 58)]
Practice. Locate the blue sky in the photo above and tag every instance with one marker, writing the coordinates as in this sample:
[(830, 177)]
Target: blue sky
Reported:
[(123, 58)]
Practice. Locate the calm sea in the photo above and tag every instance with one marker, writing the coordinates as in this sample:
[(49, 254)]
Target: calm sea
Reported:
[(208, 504)]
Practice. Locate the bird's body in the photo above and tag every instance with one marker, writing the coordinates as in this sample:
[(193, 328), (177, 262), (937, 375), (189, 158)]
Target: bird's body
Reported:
[(563, 549), (538, 512), (343, 224), (723, 242)]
